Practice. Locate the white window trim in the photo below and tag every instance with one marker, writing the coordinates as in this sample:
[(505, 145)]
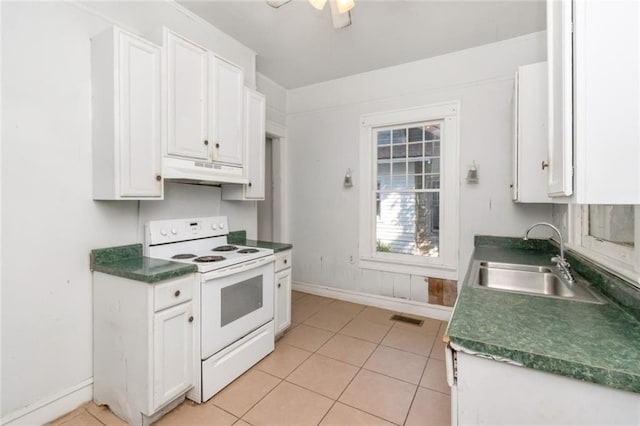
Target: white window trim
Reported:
[(622, 261), (446, 265)]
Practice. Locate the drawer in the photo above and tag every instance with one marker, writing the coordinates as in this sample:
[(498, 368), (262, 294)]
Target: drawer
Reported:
[(172, 292), (283, 260)]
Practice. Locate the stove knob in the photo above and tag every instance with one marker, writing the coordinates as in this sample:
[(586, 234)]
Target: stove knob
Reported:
[(222, 226), (163, 232), (174, 231), (213, 226)]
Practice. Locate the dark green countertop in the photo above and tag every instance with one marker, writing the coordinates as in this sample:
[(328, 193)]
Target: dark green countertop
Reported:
[(240, 237), (585, 341), (128, 262)]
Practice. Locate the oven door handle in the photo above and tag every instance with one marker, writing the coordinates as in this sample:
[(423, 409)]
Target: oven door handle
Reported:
[(247, 266)]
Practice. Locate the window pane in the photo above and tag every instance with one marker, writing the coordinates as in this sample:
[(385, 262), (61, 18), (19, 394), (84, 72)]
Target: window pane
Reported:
[(415, 149), (431, 132), (399, 151), (432, 165), (432, 182), (415, 134), (384, 169), (384, 137), (612, 223), (400, 136), (399, 182), (399, 169), (415, 167), (408, 223), (384, 152)]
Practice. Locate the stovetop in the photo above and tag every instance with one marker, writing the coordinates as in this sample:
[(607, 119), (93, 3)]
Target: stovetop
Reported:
[(201, 242)]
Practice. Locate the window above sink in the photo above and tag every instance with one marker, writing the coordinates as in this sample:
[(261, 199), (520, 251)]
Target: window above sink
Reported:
[(608, 234)]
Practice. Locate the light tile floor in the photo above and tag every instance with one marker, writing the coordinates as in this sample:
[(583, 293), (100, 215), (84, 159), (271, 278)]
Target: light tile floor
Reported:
[(340, 363)]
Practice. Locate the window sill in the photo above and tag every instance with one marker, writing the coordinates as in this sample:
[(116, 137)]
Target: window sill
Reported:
[(615, 267), (423, 270)]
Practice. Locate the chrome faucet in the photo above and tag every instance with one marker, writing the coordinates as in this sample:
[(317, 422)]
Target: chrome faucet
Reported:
[(560, 261)]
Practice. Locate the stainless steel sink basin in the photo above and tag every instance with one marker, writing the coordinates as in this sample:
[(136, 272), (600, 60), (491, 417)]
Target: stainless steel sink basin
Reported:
[(530, 279)]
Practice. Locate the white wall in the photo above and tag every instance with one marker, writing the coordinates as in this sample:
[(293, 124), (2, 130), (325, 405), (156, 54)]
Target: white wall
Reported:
[(323, 128), (46, 188), (276, 99)]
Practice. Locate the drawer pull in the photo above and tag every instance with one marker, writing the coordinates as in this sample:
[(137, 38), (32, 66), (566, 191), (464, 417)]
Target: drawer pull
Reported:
[(191, 318), (279, 285), (285, 261), (177, 293)]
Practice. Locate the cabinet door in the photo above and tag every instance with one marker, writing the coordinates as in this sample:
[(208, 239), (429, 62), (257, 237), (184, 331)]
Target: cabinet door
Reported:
[(228, 117), (531, 134), (187, 98), (282, 308), (172, 351), (560, 66), (255, 143), (139, 130)]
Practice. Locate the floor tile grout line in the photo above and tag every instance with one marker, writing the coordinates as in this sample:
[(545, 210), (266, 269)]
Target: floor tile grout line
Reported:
[(258, 401)]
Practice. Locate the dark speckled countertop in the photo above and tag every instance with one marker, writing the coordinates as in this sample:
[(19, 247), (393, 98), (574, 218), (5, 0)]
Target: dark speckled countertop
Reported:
[(128, 262), (590, 342), (240, 237)]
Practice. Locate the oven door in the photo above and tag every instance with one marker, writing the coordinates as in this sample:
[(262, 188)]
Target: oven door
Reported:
[(234, 302)]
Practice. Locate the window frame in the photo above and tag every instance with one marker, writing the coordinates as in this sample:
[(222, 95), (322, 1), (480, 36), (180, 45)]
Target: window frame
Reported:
[(446, 264), (619, 259)]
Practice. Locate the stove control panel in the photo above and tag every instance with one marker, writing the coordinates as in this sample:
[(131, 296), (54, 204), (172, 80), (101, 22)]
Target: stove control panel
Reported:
[(174, 230)]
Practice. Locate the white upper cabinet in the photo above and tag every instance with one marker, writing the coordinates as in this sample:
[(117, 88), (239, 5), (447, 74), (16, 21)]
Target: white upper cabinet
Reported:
[(594, 110), (560, 101), (254, 159), (228, 112), (530, 134), (188, 101), (126, 117)]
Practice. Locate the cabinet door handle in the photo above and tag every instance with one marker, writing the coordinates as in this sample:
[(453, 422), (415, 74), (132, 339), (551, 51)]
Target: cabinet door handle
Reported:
[(285, 261), (206, 142), (158, 178), (544, 165), (217, 145), (279, 285), (191, 318), (249, 184), (177, 293)]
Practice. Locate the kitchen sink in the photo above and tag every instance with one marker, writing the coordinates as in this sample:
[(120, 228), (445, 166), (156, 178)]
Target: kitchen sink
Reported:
[(529, 279)]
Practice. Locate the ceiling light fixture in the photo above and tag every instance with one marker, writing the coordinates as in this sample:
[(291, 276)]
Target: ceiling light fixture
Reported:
[(318, 4), (345, 5)]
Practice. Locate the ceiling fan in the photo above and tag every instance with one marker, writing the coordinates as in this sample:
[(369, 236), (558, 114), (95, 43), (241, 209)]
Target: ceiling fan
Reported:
[(340, 14)]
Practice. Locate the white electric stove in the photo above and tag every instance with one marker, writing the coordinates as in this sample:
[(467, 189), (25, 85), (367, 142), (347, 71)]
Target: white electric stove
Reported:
[(233, 298)]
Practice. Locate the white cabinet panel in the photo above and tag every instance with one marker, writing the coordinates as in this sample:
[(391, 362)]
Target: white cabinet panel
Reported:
[(142, 360), (607, 101), (594, 101), (187, 98), (282, 311), (228, 116), (560, 66), (126, 117), (496, 393), (530, 135), (172, 366), (254, 145)]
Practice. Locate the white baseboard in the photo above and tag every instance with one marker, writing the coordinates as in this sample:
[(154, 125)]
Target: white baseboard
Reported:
[(400, 305), (50, 408)]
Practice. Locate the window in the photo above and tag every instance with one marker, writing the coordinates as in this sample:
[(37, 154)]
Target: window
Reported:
[(409, 197), (610, 235)]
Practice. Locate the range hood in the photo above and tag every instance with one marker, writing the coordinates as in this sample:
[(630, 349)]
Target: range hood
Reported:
[(201, 172)]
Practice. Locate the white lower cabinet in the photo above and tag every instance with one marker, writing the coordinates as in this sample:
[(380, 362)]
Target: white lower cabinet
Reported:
[(143, 345), (497, 393), (282, 302), (172, 353)]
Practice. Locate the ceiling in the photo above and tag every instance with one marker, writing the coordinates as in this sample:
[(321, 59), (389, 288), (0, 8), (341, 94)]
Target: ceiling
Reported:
[(297, 45)]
